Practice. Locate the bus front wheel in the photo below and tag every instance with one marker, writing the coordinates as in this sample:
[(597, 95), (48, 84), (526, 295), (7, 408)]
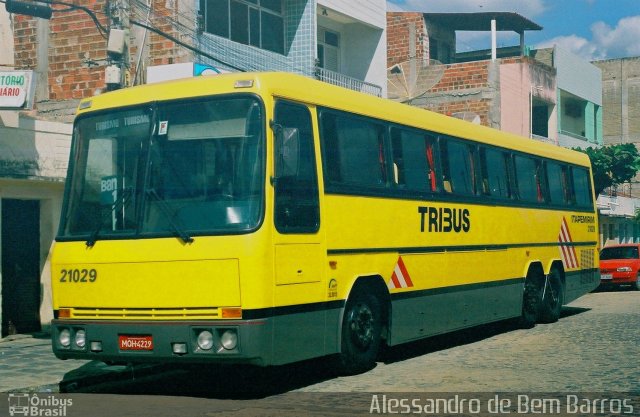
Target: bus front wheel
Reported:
[(361, 329)]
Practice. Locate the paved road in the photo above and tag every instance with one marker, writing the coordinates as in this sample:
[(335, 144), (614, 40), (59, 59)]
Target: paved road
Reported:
[(594, 348)]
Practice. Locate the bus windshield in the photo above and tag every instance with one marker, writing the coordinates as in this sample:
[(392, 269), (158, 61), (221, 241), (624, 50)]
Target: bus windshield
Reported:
[(178, 169)]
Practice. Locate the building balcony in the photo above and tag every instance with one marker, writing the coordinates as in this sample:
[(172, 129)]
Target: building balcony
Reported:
[(351, 83)]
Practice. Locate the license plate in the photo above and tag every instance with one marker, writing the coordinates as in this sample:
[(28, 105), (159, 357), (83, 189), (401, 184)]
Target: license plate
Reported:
[(606, 276), (135, 342)]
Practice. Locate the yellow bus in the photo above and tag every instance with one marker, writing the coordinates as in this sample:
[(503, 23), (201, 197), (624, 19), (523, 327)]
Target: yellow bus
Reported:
[(266, 218)]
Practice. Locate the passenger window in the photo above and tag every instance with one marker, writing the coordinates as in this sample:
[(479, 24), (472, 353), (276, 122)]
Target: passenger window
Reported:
[(529, 179), (458, 167), (296, 185), (413, 160), (581, 187), (353, 150), (557, 181), (495, 174)]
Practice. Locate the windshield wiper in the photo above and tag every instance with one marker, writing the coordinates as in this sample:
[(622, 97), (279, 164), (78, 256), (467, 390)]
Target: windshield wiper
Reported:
[(164, 208), (117, 205)]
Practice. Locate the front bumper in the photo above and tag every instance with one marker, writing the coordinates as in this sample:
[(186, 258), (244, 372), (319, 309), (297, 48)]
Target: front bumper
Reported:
[(164, 341)]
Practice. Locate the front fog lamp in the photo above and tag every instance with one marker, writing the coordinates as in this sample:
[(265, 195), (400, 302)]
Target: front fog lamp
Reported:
[(64, 338), (81, 339), (205, 340), (229, 339)]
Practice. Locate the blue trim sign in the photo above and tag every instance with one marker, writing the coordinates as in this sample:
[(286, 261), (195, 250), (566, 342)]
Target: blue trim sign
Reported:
[(16, 89), (203, 69)]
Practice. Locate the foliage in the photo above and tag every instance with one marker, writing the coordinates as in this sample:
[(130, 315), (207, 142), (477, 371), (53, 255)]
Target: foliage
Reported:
[(613, 164)]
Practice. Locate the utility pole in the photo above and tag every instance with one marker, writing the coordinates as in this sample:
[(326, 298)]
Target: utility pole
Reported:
[(117, 73)]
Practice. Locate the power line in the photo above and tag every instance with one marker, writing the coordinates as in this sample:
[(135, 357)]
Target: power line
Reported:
[(104, 31), (183, 44)]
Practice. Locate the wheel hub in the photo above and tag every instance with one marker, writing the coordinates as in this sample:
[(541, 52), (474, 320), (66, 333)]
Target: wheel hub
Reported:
[(362, 326)]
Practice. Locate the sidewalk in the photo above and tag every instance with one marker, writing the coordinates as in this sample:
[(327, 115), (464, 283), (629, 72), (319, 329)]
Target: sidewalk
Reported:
[(27, 364)]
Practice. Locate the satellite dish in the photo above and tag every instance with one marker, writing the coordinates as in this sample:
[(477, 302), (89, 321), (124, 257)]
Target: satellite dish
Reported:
[(411, 79)]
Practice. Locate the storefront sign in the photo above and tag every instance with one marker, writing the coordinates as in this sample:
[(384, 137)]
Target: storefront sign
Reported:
[(16, 89)]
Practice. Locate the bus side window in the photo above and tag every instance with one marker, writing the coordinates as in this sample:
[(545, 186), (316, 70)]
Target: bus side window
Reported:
[(557, 185), (528, 179), (296, 187), (458, 167), (581, 187), (494, 173), (413, 160), (353, 151), (541, 185)]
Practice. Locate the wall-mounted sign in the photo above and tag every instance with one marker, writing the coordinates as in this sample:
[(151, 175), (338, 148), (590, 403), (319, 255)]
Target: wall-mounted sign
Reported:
[(16, 89)]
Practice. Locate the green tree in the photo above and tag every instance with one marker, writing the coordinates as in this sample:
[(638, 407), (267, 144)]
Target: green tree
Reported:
[(613, 164)]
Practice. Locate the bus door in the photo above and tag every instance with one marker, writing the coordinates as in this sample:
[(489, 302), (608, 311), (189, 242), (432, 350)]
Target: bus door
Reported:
[(300, 249)]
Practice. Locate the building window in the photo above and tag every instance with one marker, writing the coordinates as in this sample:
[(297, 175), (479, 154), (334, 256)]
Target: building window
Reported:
[(258, 23), (328, 49)]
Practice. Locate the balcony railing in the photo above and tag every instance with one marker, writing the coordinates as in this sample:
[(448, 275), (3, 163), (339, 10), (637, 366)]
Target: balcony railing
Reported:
[(342, 80)]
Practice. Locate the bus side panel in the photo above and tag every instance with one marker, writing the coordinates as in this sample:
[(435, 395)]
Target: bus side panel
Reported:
[(426, 313), (578, 283), (306, 335), (298, 336), (584, 276)]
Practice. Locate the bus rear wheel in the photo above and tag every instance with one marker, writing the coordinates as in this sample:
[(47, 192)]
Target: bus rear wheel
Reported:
[(530, 303), (361, 329), (552, 298)]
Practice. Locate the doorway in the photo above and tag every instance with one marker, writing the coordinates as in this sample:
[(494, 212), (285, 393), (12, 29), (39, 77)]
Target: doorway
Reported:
[(20, 266)]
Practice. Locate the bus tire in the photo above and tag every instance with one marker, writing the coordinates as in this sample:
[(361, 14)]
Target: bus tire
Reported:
[(552, 297), (530, 302), (361, 330)]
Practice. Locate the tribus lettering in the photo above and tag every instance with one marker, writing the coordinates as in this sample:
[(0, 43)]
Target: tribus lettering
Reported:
[(444, 219)]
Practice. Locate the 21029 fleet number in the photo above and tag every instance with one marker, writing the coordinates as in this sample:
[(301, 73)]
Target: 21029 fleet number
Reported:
[(78, 275)]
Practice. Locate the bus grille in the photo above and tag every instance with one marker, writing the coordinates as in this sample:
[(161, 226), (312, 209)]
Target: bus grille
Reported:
[(144, 313)]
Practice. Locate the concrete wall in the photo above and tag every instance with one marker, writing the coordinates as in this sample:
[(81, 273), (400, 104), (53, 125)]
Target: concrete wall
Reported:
[(33, 164), (520, 84), (371, 12), (621, 99), (6, 40), (577, 76)]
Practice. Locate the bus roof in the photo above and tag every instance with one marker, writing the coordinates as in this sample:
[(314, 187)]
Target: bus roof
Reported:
[(310, 91)]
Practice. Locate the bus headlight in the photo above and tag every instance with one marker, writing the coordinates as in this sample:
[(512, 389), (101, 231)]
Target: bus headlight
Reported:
[(229, 339), (205, 340), (64, 338), (624, 269), (81, 339)]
